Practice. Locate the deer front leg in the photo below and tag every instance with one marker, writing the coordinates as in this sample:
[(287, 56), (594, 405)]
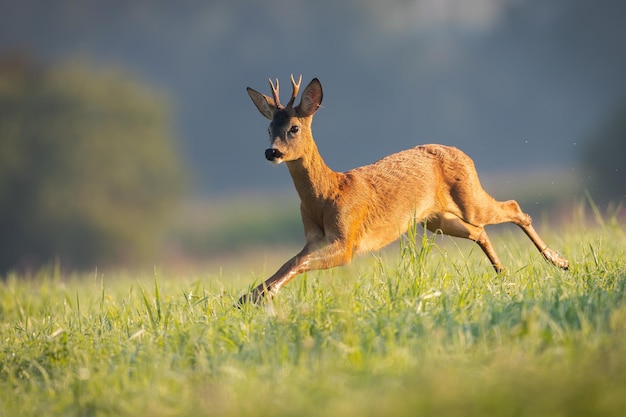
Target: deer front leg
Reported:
[(320, 255)]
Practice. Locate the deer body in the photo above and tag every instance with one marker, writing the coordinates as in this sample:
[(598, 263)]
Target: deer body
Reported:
[(366, 208)]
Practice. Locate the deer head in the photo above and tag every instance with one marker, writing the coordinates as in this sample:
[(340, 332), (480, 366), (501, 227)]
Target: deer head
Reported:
[(290, 127)]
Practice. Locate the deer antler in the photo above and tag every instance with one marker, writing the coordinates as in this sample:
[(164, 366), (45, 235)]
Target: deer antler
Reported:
[(296, 88), (275, 94)]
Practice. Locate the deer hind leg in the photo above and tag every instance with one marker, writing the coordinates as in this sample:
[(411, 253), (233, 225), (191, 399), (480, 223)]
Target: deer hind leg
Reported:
[(509, 211), (451, 225), (524, 221)]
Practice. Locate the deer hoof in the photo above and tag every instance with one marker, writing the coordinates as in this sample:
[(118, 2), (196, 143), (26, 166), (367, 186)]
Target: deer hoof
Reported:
[(250, 298), (556, 259), (254, 297)]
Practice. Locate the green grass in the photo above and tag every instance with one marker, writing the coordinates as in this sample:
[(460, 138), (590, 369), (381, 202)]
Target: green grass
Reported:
[(425, 329)]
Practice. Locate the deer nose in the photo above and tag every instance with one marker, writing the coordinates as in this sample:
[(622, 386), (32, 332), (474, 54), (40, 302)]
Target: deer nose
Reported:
[(272, 154)]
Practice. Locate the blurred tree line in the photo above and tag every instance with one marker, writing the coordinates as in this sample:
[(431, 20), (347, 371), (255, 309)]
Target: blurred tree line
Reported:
[(89, 169)]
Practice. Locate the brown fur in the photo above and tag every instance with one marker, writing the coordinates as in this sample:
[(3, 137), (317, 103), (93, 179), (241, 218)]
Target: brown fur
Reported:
[(366, 208)]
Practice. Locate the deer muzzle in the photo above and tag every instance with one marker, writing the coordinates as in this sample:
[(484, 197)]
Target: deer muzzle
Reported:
[(273, 155)]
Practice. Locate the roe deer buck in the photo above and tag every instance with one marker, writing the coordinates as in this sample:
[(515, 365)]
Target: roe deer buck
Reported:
[(366, 208)]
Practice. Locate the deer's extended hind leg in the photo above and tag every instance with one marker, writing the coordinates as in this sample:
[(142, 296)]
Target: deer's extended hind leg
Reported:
[(509, 211), (471, 203), (524, 221), (451, 225)]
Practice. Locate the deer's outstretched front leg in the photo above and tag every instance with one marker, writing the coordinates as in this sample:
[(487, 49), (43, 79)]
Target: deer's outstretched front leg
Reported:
[(317, 255)]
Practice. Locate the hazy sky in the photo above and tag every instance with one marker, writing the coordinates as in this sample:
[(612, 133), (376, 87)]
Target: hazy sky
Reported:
[(516, 84)]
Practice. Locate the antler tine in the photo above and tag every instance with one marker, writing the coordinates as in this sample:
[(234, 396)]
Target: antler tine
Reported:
[(275, 94), (296, 88)]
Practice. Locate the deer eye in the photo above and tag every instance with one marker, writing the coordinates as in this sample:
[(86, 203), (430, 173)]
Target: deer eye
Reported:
[(294, 129)]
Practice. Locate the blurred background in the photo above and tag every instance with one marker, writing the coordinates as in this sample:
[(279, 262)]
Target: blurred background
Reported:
[(127, 136)]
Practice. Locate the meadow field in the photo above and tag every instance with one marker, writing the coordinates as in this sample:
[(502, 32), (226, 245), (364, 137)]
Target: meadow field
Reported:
[(425, 328)]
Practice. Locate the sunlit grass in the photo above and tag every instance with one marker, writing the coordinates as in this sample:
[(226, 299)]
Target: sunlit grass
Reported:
[(426, 328)]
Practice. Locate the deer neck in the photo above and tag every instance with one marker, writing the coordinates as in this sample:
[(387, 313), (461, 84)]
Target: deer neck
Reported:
[(313, 179)]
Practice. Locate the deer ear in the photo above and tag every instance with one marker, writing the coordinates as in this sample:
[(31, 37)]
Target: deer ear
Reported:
[(311, 98), (263, 103)]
